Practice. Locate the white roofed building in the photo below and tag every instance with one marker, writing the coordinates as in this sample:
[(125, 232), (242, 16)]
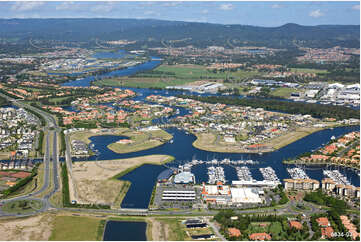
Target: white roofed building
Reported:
[(245, 195)]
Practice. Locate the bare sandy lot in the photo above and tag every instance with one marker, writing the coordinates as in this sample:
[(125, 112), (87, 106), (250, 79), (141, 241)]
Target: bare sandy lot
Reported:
[(93, 179), (159, 230), (33, 228)]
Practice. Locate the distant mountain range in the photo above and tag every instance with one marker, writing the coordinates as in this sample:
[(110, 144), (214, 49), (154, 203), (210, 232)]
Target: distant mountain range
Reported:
[(198, 34)]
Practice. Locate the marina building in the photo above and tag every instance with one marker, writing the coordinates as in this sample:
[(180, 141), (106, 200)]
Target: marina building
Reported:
[(245, 195), (301, 184), (184, 178), (226, 195), (253, 183), (218, 194)]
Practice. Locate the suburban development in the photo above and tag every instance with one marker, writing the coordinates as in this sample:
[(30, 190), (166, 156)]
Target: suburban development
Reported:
[(143, 129)]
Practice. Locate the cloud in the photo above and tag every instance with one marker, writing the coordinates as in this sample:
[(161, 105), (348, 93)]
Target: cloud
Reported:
[(356, 7), (226, 6), (204, 11), (316, 13), (171, 4), (65, 6), (103, 8), (276, 6), (150, 12), (26, 6)]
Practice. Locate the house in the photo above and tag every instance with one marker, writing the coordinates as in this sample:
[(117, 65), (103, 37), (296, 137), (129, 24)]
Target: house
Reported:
[(350, 227), (233, 232), (295, 224), (323, 222), (326, 232), (260, 236)]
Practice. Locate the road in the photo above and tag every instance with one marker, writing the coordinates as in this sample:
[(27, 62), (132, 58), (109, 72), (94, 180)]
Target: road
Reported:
[(52, 128), (215, 229)]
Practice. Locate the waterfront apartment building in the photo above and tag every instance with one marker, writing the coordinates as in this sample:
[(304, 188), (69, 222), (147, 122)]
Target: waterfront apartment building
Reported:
[(330, 186), (301, 184), (348, 191)]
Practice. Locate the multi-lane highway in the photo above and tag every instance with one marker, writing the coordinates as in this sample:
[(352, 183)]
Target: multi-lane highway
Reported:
[(48, 160)]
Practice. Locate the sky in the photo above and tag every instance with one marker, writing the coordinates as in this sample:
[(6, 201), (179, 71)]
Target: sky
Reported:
[(268, 14)]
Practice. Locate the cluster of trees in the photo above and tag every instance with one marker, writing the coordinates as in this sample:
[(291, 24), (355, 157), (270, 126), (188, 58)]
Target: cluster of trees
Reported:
[(3, 101), (21, 183), (282, 231), (321, 198), (284, 199), (62, 142), (334, 218), (82, 124), (39, 148), (316, 110)]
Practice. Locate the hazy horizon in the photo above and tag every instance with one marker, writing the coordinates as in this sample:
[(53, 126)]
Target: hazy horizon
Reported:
[(264, 14)]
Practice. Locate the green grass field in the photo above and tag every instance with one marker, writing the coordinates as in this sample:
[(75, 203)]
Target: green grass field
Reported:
[(58, 99), (173, 75), (308, 70), (75, 228), (283, 92)]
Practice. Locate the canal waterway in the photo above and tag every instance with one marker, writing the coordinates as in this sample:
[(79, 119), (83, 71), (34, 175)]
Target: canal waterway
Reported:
[(125, 231), (144, 178)]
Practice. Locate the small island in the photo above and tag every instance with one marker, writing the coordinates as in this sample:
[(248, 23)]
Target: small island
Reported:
[(136, 140)]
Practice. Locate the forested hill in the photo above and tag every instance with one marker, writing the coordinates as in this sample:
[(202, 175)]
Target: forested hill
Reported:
[(192, 33)]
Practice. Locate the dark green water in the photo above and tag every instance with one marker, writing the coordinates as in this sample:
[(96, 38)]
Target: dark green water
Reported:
[(125, 231)]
